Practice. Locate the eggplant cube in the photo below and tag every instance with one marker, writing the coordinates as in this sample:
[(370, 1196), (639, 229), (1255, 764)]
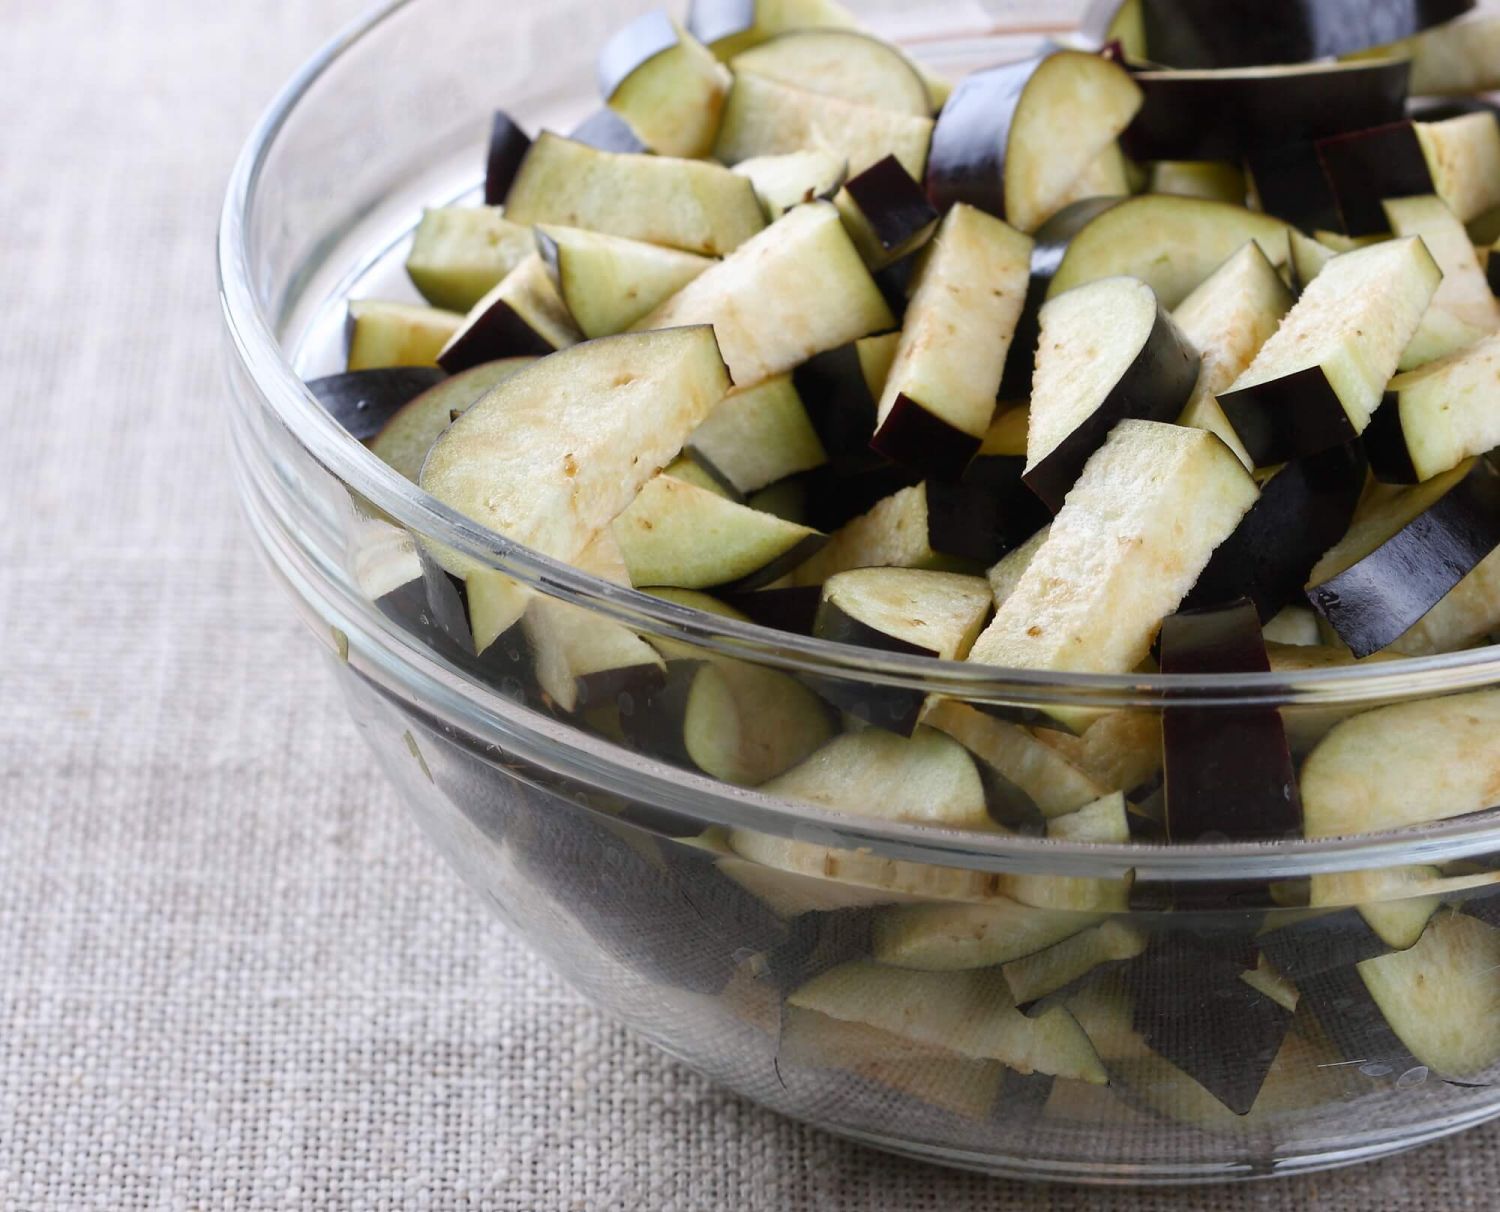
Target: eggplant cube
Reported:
[(666, 84)]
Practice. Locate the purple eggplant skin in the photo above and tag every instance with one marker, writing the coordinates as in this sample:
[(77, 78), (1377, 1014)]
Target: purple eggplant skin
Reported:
[(1210, 33), (1363, 167), (501, 332), (842, 489), (508, 147), (1288, 418), (1048, 247), (362, 401), (986, 513), (1303, 510), (892, 203), (1492, 273), (1384, 440), (894, 283), (838, 400), (1155, 387), (893, 708), (792, 608), (1194, 1010), (711, 21), (633, 45), (653, 723), (916, 438), (1229, 774), (967, 159), (1374, 602), (605, 130), (1291, 184), (1197, 117)]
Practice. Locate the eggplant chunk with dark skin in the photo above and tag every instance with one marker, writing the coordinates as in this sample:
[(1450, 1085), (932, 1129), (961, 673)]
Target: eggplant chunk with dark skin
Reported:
[(507, 148), (886, 211), (797, 289), (607, 283), (666, 84), (1404, 553), (1108, 352), (1229, 774), (1435, 417), (383, 334), (409, 433), (788, 180), (1224, 114), (730, 27), (1227, 320), (460, 253), (843, 63), (675, 534), (1092, 601), (1170, 243), (939, 396), (1206, 34), (365, 401), (1012, 140), (692, 205), (523, 316), (900, 610), (1304, 509), (841, 390), (757, 437), (1319, 378)]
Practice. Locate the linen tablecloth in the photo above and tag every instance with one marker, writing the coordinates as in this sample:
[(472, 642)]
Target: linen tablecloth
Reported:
[(232, 974)]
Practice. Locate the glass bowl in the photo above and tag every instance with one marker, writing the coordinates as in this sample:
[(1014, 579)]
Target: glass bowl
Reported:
[(1149, 1043)]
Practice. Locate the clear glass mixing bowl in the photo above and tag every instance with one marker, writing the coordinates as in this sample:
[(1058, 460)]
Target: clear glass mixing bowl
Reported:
[(622, 869)]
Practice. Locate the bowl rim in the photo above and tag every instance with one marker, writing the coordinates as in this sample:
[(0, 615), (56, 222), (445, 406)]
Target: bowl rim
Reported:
[(255, 345)]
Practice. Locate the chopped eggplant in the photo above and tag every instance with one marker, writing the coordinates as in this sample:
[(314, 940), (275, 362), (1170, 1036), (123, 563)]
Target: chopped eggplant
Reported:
[(581, 661), (1204, 34), (842, 63), (676, 534), (1308, 260), (757, 436), (604, 130), (1104, 822), (408, 434), (690, 471), (960, 938), (1136, 531), (797, 289), (886, 212), (1063, 967), (731, 27), (460, 253), (665, 84), (1214, 180), (1319, 378), (764, 117), (1468, 614), (732, 720), (926, 778), (1107, 353), (1370, 773), (1405, 552), (1048, 781), (782, 182), (1172, 244), (792, 608), (384, 334), (1463, 156), (1229, 773), (607, 283), (1006, 574), (1464, 293), (1013, 139), (1223, 114), (896, 533), (842, 490), (1437, 416), (1304, 509), (522, 317), (552, 455), (1120, 750), (1291, 182), (364, 402), (1227, 320), (841, 389), (507, 148), (972, 1014), (1452, 60), (939, 396), (687, 204)]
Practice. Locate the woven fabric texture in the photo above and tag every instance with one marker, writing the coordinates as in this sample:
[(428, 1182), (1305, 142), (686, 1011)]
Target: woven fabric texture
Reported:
[(232, 975)]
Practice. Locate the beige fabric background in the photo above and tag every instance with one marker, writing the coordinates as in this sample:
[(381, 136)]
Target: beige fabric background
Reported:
[(232, 975)]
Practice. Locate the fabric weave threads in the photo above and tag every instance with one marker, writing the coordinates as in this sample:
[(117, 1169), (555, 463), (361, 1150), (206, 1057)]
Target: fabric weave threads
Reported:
[(232, 975)]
